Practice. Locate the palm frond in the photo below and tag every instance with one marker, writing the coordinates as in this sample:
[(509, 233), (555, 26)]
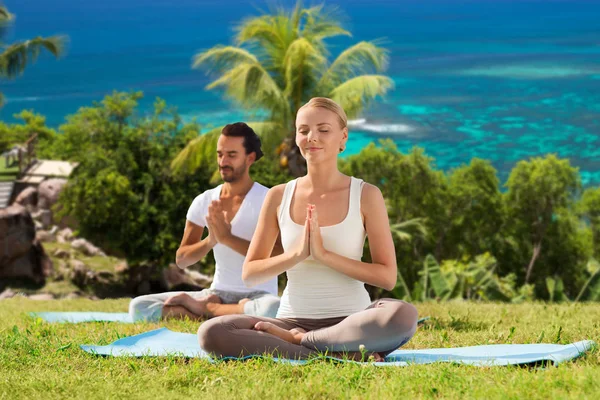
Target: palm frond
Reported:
[(362, 58), (5, 15), (251, 86), (199, 152), (355, 94), (222, 58), (408, 229), (15, 57), (303, 63), (269, 37), (322, 23)]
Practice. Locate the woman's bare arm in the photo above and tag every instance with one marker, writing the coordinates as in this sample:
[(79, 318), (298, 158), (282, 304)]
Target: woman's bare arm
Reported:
[(382, 272), (259, 266)]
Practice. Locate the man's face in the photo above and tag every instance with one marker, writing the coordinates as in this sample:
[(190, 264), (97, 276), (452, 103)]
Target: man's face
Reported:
[(232, 158)]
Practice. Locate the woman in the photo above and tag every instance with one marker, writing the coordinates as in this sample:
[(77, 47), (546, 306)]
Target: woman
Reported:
[(322, 218)]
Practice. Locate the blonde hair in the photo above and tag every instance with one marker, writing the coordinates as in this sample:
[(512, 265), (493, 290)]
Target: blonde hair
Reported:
[(328, 104)]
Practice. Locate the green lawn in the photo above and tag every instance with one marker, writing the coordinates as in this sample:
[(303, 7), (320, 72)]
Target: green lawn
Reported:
[(7, 174), (40, 360)]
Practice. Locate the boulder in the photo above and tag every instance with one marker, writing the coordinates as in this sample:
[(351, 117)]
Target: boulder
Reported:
[(60, 253), (86, 248), (48, 192), (42, 296), (44, 236), (21, 255), (66, 234), (7, 294), (177, 277), (27, 197)]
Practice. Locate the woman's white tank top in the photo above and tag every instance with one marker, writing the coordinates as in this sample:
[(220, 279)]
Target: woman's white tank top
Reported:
[(315, 290)]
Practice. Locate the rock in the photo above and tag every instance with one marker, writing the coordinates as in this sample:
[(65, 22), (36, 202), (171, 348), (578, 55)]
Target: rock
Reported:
[(86, 248), (21, 255), (45, 217), (143, 288), (105, 275), (175, 276), (60, 253), (48, 192), (42, 296), (17, 232), (28, 197), (73, 295), (66, 234), (78, 273), (44, 236), (7, 294), (77, 265), (121, 267)]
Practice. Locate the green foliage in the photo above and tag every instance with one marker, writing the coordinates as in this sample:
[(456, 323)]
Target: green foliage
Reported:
[(123, 193), (474, 279), (139, 173), (590, 209), (17, 134)]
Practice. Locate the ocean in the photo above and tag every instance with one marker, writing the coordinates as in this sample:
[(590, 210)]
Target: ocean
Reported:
[(500, 80)]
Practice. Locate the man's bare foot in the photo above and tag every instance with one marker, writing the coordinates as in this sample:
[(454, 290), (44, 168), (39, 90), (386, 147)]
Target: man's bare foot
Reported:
[(178, 299), (293, 336), (196, 306)]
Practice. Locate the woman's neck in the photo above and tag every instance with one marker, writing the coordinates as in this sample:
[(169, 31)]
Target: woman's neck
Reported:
[(323, 176)]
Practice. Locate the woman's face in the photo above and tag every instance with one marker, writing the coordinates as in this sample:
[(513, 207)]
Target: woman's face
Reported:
[(319, 135)]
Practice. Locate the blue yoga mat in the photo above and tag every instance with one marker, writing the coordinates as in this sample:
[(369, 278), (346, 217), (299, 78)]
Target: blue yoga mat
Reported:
[(163, 342), (83, 316)]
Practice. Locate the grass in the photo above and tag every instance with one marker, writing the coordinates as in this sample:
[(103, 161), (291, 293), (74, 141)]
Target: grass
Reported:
[(43, 360), (7, 174), (64, 286), (95, 263)]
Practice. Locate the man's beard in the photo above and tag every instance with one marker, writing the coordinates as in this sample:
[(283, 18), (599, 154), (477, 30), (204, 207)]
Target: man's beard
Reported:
[(233, 174)]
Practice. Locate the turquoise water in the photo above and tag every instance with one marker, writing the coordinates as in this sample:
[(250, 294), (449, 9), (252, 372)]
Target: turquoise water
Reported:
[(500, 80)]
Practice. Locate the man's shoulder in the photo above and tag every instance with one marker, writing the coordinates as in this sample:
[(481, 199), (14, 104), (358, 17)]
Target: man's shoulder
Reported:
[(260, 191), (207, 195)]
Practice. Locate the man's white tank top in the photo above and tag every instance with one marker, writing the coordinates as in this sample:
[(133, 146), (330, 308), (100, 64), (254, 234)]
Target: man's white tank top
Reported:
[(315, 290)]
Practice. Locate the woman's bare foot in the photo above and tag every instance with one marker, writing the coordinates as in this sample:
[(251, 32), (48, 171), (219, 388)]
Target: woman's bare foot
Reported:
[(293, 336)]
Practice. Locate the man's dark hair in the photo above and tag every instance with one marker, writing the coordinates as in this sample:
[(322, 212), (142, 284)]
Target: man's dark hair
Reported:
[(251, 140)]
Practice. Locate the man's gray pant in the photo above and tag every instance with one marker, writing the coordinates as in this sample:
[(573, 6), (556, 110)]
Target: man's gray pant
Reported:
[(149, 307)]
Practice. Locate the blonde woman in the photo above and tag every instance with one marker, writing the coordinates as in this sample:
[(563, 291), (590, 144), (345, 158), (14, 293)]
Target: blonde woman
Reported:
[(323, 219)]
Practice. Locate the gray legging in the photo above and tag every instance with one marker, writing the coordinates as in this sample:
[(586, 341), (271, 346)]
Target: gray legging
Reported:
[(382, 327), (149, 307)]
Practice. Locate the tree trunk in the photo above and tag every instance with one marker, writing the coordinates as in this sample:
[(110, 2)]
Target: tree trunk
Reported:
[(536, 252), (296, 163)]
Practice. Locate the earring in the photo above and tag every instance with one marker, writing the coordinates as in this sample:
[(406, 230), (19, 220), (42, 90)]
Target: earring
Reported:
[(342, 149)]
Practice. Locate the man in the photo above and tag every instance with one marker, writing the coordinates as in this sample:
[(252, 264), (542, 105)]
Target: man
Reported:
[(230, 212)]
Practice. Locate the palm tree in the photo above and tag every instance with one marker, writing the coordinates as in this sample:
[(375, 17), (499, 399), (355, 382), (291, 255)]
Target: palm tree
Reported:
[(14, 58), (279, 61)]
